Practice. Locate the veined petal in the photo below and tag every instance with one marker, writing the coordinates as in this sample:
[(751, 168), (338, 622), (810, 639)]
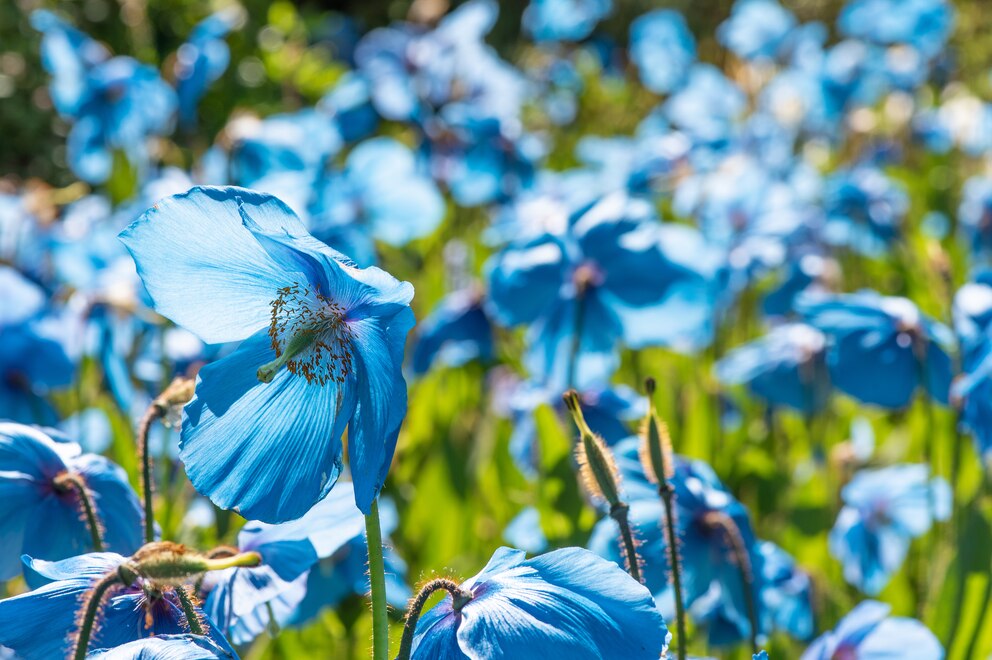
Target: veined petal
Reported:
[(203, 268), (166, 647), (268, 450), (378, 343)]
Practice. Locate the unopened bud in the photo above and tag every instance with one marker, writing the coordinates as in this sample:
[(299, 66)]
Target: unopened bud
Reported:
[(167, 563), (596, 464), (656, 444), (173, 398)]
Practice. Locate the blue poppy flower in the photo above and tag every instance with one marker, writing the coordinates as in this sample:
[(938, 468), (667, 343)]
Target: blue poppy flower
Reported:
[(869, 632), (42, 512), (663, 49), (245, 602), (706, 106), (884, 510), (972, 391), (525, 532), (164, 647), (39, 624), (605, 280), (566, 603), (349, 104), (711, 580), (785, 591), (881, 349), (563, 20), (809, 273), (202, 59), (33, 355), (786, 367), (975, 213), (864, 210), (456, 332), (112, 103), (756, 29), (383, 190), (322, 346), (923, 24), (344, 573)]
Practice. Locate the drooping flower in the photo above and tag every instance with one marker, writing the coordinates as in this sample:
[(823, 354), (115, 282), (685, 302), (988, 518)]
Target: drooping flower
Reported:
[(869, 632), (322, 345), (39, 624), (884, 510), (864, 208), (456, 332), (566, 603), (786, 592), (881, 349), (787, 367), (244, 602), (41, 507)]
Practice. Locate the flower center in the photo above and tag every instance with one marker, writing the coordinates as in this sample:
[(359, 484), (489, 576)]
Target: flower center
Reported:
[(309, 336)]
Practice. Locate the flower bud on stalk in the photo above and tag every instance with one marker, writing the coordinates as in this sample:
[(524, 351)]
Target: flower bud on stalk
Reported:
[(602, 480)]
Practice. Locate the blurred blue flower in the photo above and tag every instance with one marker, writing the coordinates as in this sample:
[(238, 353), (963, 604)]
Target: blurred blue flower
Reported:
[(202, 59), (869, 632), (881, 349), (971, 393), (975, 214), (864, 210), (711, 580), (563, 20), (322, 345), (39, 624), (785, 591), (245, 602), (809, 273), (112, 103), (349, 104), (884, 510), (922, 24), (567, 603), (786, 367), (456, 332), (663, 49), (525, 532), (41, 512), (382, 190), (756, 29), (604, 280), (706, 106)]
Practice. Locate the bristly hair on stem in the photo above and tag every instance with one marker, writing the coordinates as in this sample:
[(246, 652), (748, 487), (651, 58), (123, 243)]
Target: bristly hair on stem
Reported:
[(658, 460), (188, 603), (601, 478), (73, 482), (90, 613), (459, 598)]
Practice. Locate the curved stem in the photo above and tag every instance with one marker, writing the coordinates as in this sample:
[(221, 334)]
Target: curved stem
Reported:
[(70, 481), (192, 618), (377, 584), (92, 608), (576, 349), (675, 563), (619, 513), (155, 411), (722, 521), (413, 612)]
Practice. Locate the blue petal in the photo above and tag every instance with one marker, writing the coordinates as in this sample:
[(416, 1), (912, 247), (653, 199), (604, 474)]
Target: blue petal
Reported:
[(166, 647), (268, 450)]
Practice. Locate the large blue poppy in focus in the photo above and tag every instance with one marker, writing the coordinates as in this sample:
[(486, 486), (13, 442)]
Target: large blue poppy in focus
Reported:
[(322, 349)]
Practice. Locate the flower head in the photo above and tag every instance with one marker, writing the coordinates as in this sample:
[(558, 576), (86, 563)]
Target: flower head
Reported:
[(322, 346), (869, 632)]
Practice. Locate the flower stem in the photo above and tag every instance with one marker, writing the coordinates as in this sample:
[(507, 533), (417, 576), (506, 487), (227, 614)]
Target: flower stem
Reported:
[(576, 348), (192, 618), (618, 512), (732, 533), (458, 597), (155, 411), (667, 494), (70, 481), (377, 583), (93, 601)]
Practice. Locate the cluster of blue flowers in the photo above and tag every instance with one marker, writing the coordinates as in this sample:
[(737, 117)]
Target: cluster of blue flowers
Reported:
[(752, 238)]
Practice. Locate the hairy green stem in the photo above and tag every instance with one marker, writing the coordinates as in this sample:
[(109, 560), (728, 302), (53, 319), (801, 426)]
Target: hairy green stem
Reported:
[(458, 598), (619, 512), (667, 494), (377, 583), (154, 412), (192, 618), (93, 601), (70, 481)]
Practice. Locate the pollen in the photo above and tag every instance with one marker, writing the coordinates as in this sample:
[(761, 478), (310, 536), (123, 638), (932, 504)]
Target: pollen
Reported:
[(309, 335)]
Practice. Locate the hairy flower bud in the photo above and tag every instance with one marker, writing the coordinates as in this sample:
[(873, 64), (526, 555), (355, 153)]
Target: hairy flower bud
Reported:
[(596, 464), (656, 444)]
